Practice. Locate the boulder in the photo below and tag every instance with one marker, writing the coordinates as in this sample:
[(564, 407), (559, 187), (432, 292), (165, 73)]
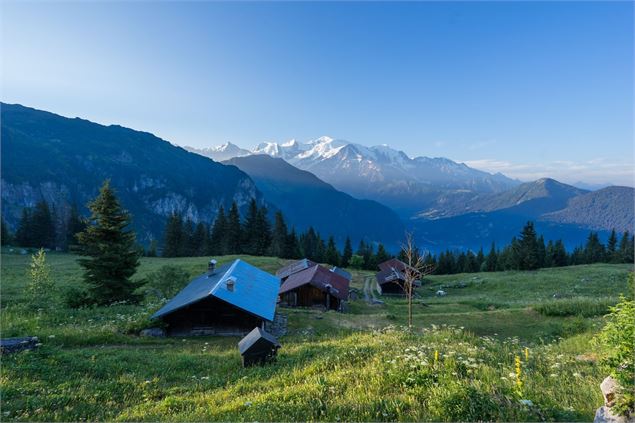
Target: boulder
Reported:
[(155, 332), (605, 415), (609, 388), (441, 293)]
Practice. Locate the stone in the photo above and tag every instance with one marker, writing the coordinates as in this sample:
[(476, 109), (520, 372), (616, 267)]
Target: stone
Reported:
[(154, 332), (605, 415), (609, 388), (441, 293), (13, 345)]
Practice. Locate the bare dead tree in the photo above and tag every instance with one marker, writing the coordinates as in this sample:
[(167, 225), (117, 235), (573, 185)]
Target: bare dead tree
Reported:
[(416, 269)]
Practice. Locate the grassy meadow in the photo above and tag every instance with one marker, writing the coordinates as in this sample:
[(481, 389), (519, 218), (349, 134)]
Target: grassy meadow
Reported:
[(458, 363)]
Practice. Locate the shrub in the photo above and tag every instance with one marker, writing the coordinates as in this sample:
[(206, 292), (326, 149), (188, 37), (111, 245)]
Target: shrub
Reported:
[(165, 282), (40, 287), (583, 307), (466, 403), (75, 297), (616, 340)]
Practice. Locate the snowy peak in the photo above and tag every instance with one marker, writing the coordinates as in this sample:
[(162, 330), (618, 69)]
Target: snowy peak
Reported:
[(221, 152)]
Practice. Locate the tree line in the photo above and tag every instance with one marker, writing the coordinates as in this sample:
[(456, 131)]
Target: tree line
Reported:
[(255, 234), (38, 228), (529, 252)]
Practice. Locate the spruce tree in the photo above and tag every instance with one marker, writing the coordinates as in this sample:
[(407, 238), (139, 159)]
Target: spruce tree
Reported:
[(187, 247), (218, 235), (612, 255), (480, 260), (43, 226), (173, 236), (347, 253), (320, 250), (332, 256), (75, 225), (198, 239), (381, 255), (626, 248), (24, 233), (262, 234), (594, 250), (292, 247), (250, 229), (308, 244), (560, 257), (527, 249), (279, 236), (491, 262), (111, 254), (233, 232), (5, 235)]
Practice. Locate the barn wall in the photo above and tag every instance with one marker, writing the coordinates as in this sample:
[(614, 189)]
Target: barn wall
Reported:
[(210, 316)]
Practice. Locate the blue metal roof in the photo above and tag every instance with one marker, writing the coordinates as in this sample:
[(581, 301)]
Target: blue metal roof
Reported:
[(254, 291)]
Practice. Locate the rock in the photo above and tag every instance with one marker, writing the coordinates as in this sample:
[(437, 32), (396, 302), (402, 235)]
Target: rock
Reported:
[(441, 293), (609, 388), (605, 415), (155, 332), (12, 345)]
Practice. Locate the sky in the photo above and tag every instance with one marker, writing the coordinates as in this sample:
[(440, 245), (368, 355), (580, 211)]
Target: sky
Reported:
[(530, 89)]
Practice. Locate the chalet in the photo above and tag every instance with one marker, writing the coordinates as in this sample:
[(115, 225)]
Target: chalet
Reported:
[(295, 267), (342, 272), (391, 277), (229, 300), (315, 286)]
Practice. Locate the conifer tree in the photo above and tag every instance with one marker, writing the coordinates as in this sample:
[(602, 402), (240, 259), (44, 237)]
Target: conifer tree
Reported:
[(491, 262), (187, 247), (331, 255), (250, 229), (527, 249), (480, 259), (262, 233), (233, 231), (594, 250), (626, 248), (347, 253), (279, 237), (560, 257), (75, 225), (381, 255), (173, 236), (43, 226), (308, 244), (24, 233), (198, 239), (320, 250), (292, 247), (5, 235), (111, 254), (612, 254), (217, 242)]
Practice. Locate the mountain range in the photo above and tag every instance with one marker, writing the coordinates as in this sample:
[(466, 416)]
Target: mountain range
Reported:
[(339, 188), (406, 185)]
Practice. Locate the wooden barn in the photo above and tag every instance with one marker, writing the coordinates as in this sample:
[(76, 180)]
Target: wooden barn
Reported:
[(315, 286), (391, 277), (229, 300)]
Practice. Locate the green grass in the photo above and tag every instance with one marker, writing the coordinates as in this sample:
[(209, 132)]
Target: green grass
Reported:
[(332, 366)]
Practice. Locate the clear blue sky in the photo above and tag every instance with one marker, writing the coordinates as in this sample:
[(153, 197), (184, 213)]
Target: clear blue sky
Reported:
[(525, 88)]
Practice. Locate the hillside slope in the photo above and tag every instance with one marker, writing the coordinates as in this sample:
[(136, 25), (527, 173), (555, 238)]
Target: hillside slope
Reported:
[(64, 161), (605, 209), (307, 201)]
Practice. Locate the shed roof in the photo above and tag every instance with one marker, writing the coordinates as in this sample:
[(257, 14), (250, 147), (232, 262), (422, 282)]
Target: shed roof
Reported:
[(294, 267), (255, 291), (320, 278), (253, 337)]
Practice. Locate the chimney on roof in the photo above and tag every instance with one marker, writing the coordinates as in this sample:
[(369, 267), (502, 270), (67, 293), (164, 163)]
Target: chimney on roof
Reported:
[(231, 283), (211, 267)]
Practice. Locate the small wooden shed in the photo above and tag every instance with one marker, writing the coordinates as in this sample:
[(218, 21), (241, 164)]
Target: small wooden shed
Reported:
[(258, 347), (229, 300)]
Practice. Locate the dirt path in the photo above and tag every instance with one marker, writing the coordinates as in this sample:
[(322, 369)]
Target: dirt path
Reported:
[(369, 292)]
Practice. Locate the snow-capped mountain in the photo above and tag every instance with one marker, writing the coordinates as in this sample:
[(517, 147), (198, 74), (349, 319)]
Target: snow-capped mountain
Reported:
[(381, 173), (221, 152)]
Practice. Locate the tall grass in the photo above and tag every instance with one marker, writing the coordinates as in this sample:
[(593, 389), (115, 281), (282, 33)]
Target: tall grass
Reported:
[(583, 307)]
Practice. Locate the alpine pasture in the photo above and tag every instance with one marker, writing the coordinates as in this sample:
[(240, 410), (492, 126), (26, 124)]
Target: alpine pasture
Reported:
[(499, 346)]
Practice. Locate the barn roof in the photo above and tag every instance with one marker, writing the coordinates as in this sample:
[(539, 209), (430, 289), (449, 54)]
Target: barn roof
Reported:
[(294, 267), (253, 337), (342, 272), (390, 275), (320, 278), (255, 291), (393, 263)]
